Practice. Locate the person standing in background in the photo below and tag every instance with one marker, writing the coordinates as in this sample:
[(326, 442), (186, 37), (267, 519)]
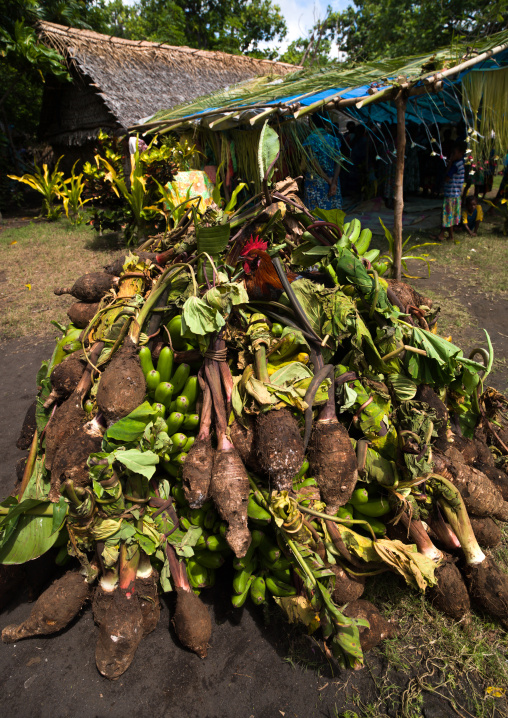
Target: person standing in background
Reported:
[(321, 181), (454, 180)]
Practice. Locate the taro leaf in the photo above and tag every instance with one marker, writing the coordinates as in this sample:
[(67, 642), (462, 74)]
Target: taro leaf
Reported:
[(305, 255), (107, 528), (199, 318), (403, 387), (139, 462), (224, 296), (31, 537), (336, 216), (190, 538), (149, 538), (132, 426), (268, 150), (212, 240), (59, 514)]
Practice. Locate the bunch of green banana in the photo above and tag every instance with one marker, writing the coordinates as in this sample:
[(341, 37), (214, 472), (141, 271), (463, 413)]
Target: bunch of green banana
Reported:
[(360, 238), (174, 392)]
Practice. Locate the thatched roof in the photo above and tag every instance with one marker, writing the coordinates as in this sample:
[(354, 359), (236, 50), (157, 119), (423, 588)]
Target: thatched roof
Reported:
[(136, 79)]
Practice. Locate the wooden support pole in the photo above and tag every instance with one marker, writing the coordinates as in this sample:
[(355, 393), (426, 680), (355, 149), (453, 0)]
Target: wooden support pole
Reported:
[(400, 104)]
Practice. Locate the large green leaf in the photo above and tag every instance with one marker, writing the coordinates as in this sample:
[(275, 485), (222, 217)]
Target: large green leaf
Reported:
[(212, 240), (268, 149), (140, 462), (32, 536), (200, 318)]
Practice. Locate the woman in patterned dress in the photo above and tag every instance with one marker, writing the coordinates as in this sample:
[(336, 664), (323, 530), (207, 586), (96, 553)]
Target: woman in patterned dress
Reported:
[(322, 185), (454, 181)]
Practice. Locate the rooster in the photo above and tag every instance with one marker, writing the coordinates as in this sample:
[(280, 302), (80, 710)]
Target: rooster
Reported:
[(261, 278)]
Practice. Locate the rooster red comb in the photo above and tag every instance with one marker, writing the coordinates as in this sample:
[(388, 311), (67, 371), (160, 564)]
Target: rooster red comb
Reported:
[(254, 243)]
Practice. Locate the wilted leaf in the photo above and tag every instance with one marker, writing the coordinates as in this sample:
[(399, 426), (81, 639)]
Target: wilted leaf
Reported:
[(198, 317)]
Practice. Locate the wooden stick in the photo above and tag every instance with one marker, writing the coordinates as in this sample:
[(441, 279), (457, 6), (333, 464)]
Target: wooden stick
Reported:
[(400, 104)]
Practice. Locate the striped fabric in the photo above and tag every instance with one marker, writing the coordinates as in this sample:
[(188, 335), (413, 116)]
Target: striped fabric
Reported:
[(454, 179)]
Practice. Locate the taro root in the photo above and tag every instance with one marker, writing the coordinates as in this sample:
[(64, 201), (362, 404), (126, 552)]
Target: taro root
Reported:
[(347, 587), (28, 429), (64, 379), (333, 463), (467, 449), (90, 287), (406, 295), (229, 484), (121, 631), (379, 629), (82, 313), (122, 386), (69, 417), (53, 610), (148, 598), (244, 440), (488, 587), (450, 594), (279, 447), (480, 495), (192, 622), (197, 469), (116, 267), (486, 530), (498, 477), (70, 462)]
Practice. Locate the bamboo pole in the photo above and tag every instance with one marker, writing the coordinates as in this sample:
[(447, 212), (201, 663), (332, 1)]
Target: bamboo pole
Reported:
[(400, 104)]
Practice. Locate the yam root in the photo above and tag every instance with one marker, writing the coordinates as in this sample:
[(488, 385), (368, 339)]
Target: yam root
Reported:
[(498, 477), (192, 622), (332, 463), (279, 447), (148, 598), (53, 610), (122, 386), (229, 488), (347, 587), (450, 595), (121, 631), (28, 429), (380, 628), (90, 287), (487, 532), (82, 313)]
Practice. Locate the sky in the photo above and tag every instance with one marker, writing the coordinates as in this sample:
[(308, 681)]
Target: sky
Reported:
[(301, 15)]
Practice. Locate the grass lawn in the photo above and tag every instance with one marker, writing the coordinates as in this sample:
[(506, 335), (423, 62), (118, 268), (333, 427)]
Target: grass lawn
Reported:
[(34, 259)]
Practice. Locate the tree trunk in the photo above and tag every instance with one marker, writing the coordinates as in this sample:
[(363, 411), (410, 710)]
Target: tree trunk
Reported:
[(400, 104)]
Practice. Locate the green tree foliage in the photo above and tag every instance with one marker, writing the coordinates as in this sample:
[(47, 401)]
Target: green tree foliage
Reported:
[(234, 26), (373, 29)]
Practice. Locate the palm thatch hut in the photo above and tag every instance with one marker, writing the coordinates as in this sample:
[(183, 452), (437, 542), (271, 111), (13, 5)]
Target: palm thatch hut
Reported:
[(118, 82)]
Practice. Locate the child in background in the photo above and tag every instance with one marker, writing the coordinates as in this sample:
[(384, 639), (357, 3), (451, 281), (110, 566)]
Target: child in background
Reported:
[(472, 215), (454, 179)]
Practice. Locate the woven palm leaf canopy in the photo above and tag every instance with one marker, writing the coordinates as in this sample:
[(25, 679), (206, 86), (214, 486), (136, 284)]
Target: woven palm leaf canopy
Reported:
[(305, 91)]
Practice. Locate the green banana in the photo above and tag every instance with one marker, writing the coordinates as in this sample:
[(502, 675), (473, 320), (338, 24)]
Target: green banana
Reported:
[(239, 599), (258, 590), (199, 576), (209, 559), (372, 255), (241, 577), (278, 588), (217, 543), (257, 512), (363, 242), (377, 526), (269, 550), (354, 230)]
